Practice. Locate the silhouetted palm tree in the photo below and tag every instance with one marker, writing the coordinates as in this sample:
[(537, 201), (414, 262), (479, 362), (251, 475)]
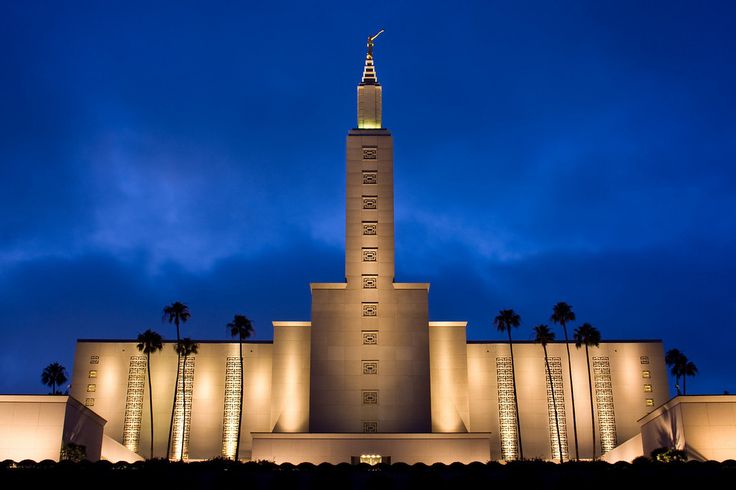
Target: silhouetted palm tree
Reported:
[(675, 360), (185, 348), (242, 328), (54, 375), (175, 313), (589, 336), (562, 314), (505, 321), (688, 369), (150, 342), (542, 335)]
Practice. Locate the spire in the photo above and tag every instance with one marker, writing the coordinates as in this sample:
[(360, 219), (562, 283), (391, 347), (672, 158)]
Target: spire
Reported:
[(369, 92), (369, 71)]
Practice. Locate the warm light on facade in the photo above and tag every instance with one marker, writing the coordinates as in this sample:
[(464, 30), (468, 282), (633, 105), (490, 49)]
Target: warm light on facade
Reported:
[(555, 366), (180, 437), (371, 459), (604, 403), (134, 402), (506, 409), (232, 407)]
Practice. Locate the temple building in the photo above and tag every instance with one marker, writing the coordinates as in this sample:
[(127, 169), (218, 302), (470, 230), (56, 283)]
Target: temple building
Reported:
[(369, 377)]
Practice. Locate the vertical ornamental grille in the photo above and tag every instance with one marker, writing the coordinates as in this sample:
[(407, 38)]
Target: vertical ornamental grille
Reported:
[(232, 407), (134, 402), (506, 409), (555, 366), (604, 403), (180, 437)]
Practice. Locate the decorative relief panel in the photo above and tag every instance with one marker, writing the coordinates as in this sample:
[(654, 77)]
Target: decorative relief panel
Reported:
[(370, 337), (370, 177), (232, 407), (370, 202), (506, 409), (89, 402), (370, 427), (370, 367), (182, 421), (370, 398), (134, 402), (555, 366), (370, 153), (94, 359), (370, 309), (92, 373), (604, 403), (370, 255), (370, 282), (370, 228)]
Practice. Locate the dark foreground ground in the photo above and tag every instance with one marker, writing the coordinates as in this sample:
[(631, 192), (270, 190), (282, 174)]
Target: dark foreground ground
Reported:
[(222, 474)]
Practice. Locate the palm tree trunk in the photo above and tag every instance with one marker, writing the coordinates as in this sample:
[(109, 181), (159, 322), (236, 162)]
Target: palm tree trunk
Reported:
[(572, 394), (150, 396), (592, 410), (554, 402), (240, 410), (516, 398), (176, 389), (684, 384)]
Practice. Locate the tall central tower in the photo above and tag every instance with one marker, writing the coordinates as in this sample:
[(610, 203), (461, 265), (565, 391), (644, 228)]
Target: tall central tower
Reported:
[(369, 339)]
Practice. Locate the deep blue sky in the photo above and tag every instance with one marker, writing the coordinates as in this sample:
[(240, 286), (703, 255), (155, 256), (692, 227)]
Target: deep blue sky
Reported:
[(194, 151)]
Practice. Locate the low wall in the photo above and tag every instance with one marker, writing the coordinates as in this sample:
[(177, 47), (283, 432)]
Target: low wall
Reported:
[(342, 448)]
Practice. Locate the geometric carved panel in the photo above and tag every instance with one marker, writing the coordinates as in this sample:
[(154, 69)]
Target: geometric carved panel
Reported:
[(369, 153), (370, 282), (370, 337), (182, 421), (555, 366), (370, 227), (370, 309), (370, 367), (370, 202), (604, 403), (232, 407), (506, 409), (370, 398), (370, 255), (370, 427), (370, 177), (134, 402)]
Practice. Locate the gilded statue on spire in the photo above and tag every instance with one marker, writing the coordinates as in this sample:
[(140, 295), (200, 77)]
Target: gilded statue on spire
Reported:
[(370, 42)]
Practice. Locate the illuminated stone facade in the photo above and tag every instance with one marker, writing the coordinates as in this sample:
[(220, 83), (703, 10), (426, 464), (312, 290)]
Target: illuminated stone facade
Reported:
[(370, 375)]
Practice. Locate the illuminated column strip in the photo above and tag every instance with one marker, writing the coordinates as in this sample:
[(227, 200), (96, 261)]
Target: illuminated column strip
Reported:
[(180, 436), (604, 403), (555, 365), (232, 407), (134, 402), (506, 409)]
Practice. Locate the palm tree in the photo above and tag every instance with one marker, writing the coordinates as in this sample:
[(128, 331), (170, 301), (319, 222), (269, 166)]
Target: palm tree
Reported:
[(675, 361), (185, 348), (688, 369), (505, 321), (175, 313), (241, 327), (589, 336), (562, 314), (54, 375), (542, 335), (150, 342)]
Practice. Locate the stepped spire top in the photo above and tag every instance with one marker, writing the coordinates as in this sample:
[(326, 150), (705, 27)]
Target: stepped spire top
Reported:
[(369, 71)]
